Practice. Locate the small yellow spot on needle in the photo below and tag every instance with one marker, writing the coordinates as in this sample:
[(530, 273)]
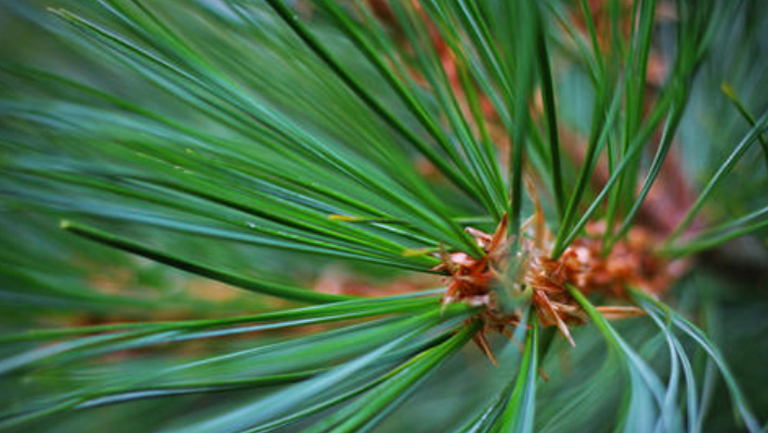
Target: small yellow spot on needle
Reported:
[(414, 252), (728, 90), (347, 218)]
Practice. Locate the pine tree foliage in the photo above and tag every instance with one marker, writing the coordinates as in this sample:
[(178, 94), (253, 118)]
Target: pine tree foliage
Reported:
[(256, 216)]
